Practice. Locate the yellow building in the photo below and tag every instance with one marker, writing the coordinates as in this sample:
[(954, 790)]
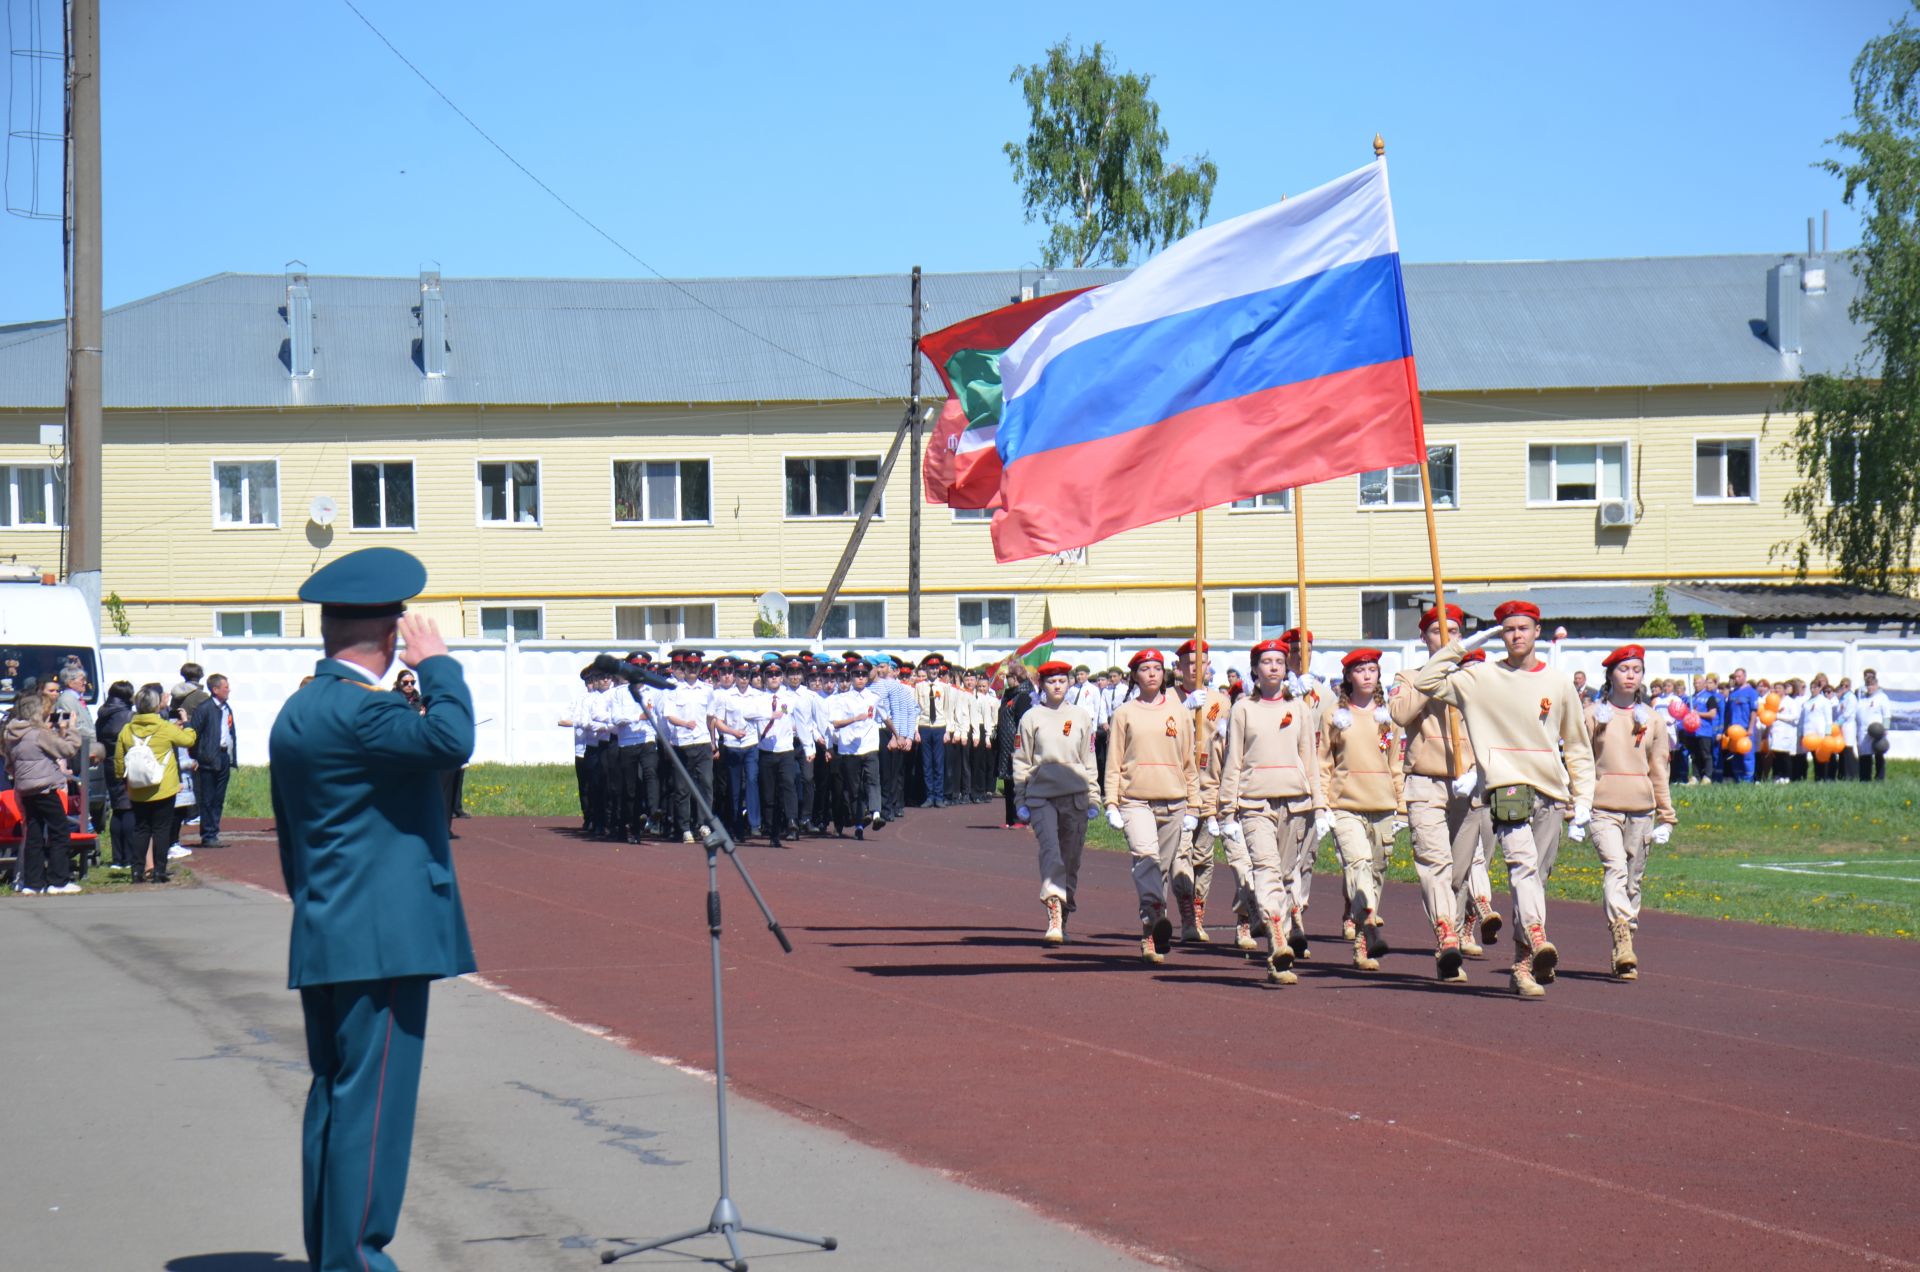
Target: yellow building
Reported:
[(626, 462)]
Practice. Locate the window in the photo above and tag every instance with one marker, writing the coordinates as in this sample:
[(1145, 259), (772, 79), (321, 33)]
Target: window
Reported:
[(670, 491), (973, 514), (831, 487), (1400, 487), (986, 618), (247, 494), (33, 497), (1260, 615), (1843, 470), (510, 623), (1279, 501), (382, 495), (510, 493), (1723, 472), (662, 624), (1390, 615), (847, 620), (1576, 474), (237, 624)]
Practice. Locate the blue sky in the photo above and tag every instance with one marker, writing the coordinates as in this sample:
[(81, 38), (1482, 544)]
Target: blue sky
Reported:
[(865, 138)]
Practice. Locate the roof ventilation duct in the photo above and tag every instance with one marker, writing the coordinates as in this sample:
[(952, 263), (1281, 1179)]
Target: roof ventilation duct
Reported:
[(1783, 307), (299, 324), (433, 325)]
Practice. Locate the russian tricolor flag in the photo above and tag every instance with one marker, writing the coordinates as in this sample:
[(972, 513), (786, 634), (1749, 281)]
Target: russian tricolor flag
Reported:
[(1261, 354)]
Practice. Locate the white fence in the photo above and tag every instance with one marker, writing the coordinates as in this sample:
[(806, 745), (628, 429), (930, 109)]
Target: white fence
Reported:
[(520, 691)]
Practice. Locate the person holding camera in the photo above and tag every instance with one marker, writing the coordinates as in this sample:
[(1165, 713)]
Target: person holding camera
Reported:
[(145, 756), (39, 749)]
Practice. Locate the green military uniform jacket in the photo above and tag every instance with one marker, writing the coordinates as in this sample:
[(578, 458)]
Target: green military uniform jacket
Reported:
[(362, 825)]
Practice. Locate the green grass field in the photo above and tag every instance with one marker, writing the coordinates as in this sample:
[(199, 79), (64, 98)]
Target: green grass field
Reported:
[(1839, 857)]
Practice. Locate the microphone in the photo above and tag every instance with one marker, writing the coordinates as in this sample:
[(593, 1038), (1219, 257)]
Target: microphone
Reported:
[(649, 677)]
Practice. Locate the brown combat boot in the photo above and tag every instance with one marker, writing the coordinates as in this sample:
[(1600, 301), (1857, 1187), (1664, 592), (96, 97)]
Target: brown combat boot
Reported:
[(1523, 982), (1361, 958), (1541, 953), (1056, 922), (1243, 937), (1200, 921), (1446, 958), (1626, 965), (1189, 926), (1156, 937), (1297, 934), (1489, 920)]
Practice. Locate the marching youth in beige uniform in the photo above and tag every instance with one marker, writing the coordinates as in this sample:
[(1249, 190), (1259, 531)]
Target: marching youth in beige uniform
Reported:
[(1056, 790), (1445, 810), (1529, 735), (1308, 689), (1360, 770), (1193, 873), (1632, 803), (1152, 783), (1270, 795)]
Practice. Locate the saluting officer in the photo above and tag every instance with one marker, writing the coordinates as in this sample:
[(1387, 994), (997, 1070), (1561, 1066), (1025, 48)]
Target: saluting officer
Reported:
[(362, 826)]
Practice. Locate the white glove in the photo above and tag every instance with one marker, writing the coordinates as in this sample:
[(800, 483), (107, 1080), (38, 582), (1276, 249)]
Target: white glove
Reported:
[(1020, 810), (1395, 826), (1093, 812), (1213, 827), (1582, 813), (1115, 820), (1662, 833), (1189, 823), (1231, 828), (1322, 825), (1467, 783), (1197, 699), (1485, 635), (1577, 832)]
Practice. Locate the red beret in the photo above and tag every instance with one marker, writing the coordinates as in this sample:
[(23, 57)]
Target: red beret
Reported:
[(1054, 669), (1267, 647), (1455, 617), (1622, 654), (851, 657), (1292, 636), (1187, 648), (1358, 656), (1474, 655), (1509, 608), (1145, 656)]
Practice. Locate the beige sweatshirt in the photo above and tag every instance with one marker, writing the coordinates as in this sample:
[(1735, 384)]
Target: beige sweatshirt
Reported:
[(1271, 754), (1210, 718), (1360, 764), (1630, 763), (1431, 728), (1150, 753), (1053, 754), (1527, 726)]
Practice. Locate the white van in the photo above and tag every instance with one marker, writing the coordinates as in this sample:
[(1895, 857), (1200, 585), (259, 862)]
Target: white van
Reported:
[(45, 626)]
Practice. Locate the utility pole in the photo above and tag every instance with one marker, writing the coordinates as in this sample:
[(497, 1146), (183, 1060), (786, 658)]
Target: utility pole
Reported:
[(913, 476), (84, 321)]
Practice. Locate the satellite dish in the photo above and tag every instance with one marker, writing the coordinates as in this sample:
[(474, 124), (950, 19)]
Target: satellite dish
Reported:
[(322, 510), (774, 605)]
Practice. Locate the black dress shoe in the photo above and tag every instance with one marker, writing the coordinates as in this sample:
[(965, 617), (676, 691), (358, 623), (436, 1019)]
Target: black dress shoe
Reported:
[(159, 878)]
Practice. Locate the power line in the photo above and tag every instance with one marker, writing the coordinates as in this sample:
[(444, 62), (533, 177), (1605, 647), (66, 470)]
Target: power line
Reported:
[(588, 222)]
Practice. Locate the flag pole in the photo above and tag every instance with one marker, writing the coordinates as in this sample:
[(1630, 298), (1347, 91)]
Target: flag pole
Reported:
[(1433, 533), (1199, 627), (1300, 576)]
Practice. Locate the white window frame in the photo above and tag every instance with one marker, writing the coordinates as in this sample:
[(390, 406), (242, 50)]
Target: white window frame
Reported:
[(886, 618), (538, 607), (250, 615), (613, 490), (1284, 506), (1417, 504), (53, 485), (1556, 443), (1293, 607), (966, 516), (983, 599), (853, 508), (480, 495), (1360, 607), (412, 463), (681, 631), (1753, 445), (213, 473)]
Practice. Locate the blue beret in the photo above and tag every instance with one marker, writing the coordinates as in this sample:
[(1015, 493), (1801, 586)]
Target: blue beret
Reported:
[(372, 583)]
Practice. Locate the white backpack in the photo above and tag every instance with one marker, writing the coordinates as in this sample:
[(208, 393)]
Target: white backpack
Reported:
[(144, 768)]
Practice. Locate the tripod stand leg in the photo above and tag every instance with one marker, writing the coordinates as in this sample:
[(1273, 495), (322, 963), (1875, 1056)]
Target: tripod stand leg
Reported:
[(733, 1247), (825, 1243), (608, 1256)]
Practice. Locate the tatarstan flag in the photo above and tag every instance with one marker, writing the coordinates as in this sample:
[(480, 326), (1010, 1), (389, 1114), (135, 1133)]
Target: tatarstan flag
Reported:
[(961, 467), (1029, 655)]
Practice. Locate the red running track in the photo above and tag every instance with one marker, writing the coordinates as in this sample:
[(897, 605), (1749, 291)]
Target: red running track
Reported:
[(1753, 1100)]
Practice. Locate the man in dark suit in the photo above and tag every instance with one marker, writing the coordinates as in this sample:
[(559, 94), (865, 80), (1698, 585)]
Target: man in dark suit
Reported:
[(217, 752), (358, 810)]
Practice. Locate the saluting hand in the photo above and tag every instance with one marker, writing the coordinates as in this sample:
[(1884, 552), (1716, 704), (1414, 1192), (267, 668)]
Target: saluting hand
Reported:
[(420, 639)]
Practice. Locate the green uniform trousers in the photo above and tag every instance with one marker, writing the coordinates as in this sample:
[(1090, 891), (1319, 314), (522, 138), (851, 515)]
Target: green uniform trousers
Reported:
[(364, 1043)]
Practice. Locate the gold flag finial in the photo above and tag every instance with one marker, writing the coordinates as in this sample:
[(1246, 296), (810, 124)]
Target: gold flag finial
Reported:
[(1379, 146)]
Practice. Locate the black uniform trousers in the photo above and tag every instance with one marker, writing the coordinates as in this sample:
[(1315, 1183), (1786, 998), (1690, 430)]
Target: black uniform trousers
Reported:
[(859, 781), (779, 794), (982, 772), (698, 759), (893, 778), (640, 765), (959, 777), (581, 766), (600, 779), (802, 782)]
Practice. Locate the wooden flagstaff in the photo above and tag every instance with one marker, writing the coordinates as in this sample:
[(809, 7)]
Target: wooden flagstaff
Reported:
[(1199, 629), (1300, 577)]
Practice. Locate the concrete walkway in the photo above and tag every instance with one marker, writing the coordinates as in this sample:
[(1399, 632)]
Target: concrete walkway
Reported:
[(156, 1073)]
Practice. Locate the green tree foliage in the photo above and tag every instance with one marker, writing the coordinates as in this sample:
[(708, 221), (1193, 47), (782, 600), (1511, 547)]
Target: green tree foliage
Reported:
[(1659, 624), (1093, 166), (117, 614), (1856, 445)]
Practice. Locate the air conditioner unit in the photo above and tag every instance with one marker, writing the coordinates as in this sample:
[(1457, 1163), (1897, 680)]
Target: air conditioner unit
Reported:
[(1615, 513)]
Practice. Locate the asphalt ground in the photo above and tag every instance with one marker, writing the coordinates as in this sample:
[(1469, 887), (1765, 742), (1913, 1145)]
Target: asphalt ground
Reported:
[(1750, 1100), (155, 1074)]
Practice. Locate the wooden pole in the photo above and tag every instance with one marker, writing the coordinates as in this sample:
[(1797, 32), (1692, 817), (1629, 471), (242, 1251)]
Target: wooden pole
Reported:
[(867, 510), (913, 502), (1199, 631), (1300, 576)]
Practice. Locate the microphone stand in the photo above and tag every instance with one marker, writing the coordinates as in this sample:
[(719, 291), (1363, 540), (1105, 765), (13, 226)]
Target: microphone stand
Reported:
[(725, 1221)]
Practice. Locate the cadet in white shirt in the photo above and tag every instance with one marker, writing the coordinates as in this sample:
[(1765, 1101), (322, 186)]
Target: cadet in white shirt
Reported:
[(779, 767), (854, 715), (688, 711), (576, 719), (637, 758)]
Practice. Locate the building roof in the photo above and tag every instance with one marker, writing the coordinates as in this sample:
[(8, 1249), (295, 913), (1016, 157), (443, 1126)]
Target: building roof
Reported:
[(222, 342), (1575, 603), (1813, 602)]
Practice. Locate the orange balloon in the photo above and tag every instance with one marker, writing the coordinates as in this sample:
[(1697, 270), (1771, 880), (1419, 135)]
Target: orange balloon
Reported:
[(1772, 702), (1837, 732), (1767, 716), (1736, 731), (1742, 746)]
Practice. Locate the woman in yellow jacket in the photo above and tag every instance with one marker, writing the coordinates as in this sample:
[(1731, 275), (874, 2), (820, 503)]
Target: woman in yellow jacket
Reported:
[(1270, 796), (1360, 771), (1632, 802), (152, 804)]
